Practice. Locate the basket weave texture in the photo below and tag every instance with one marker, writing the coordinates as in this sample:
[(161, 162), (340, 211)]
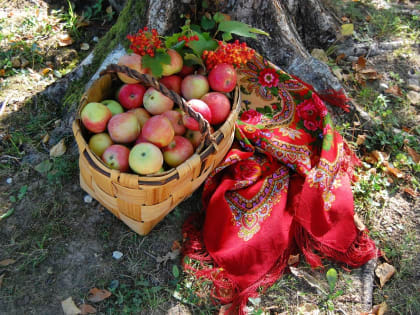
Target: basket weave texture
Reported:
[(143, 201)]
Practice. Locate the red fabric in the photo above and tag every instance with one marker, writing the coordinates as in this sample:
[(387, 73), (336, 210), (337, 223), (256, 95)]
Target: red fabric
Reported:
[(283, 187)]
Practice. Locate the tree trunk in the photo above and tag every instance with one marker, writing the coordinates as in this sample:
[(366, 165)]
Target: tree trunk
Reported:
[(295, 28)]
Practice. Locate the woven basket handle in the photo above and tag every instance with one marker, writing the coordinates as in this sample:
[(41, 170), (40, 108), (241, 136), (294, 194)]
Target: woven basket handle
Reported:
[(148, 80)]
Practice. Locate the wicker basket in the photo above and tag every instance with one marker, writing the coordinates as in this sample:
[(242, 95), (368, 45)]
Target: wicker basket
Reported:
[(143, 201)]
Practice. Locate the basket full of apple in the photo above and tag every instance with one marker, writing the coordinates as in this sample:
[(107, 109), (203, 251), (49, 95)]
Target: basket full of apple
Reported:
[(154, 125)]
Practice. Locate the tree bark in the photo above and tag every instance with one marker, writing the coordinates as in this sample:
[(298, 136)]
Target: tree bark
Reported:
[(295, 28)]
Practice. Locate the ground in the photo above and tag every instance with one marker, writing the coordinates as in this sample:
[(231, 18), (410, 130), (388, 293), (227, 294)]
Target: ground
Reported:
[(56, 244)]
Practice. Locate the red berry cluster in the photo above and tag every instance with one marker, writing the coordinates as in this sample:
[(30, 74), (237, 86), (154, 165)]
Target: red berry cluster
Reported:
[(187, 39), (145, 42), (235, 54)]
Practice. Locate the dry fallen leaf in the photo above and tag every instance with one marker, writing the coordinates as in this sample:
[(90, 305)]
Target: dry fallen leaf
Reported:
[(293, 259), (360, 64), (340, 57), (384, 272), (7, 262), (2, 72), (87, 309), (367, 74), (309, 309), (393, 170), (414, 155), (1, 279), (319, 54), (394, 90), (45, 138), (380, 156), (347, 29), (59, 149), (173, 254), (338, 73), (359, 223), (69, 308), (311, 280), (379, 309), (360, 139), (97, 295), (410, 191), (345, 19), (84, 46), (64, 40), (179, 309), (46, 71)]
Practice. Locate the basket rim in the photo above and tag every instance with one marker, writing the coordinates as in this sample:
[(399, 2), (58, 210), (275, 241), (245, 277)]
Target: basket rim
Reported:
[(169, 175)]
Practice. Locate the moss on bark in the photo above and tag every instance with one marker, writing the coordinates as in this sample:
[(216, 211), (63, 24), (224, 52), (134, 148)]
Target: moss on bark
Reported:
[(129, 21)]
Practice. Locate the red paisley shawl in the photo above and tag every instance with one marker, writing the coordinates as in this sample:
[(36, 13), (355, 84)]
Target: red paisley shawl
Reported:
[(283, 188)]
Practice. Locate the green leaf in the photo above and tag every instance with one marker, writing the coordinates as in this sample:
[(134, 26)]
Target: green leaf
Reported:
[(239, 28), (194, 60), (218, 17), (175, 271), (207, 24), (195, 28), (332, 278), (43, 167), (204, 4), (204, 42), (171, 41), (22, 192), (155, 63), (258, 31), (178, 46), (226, 36), (7, 214), (12, 199)]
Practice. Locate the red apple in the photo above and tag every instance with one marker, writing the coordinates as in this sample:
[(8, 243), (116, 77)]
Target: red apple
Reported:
[(200, 107), (186, 70), (172, 82), (131, 95), (99, 142), (124, 128), (145, 158), (195, 137), (155, 102), (175, 117), (175, 65), (116, 157), (158, 130), (140, 139), (113, 106), (141, 114), (219, 106), (194, 86), (222, 78), (132, 61), (95, 117), (177, 151)]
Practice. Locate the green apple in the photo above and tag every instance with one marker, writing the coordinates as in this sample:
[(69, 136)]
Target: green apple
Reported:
[(99, 142), (113, 106), (145, 158)]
